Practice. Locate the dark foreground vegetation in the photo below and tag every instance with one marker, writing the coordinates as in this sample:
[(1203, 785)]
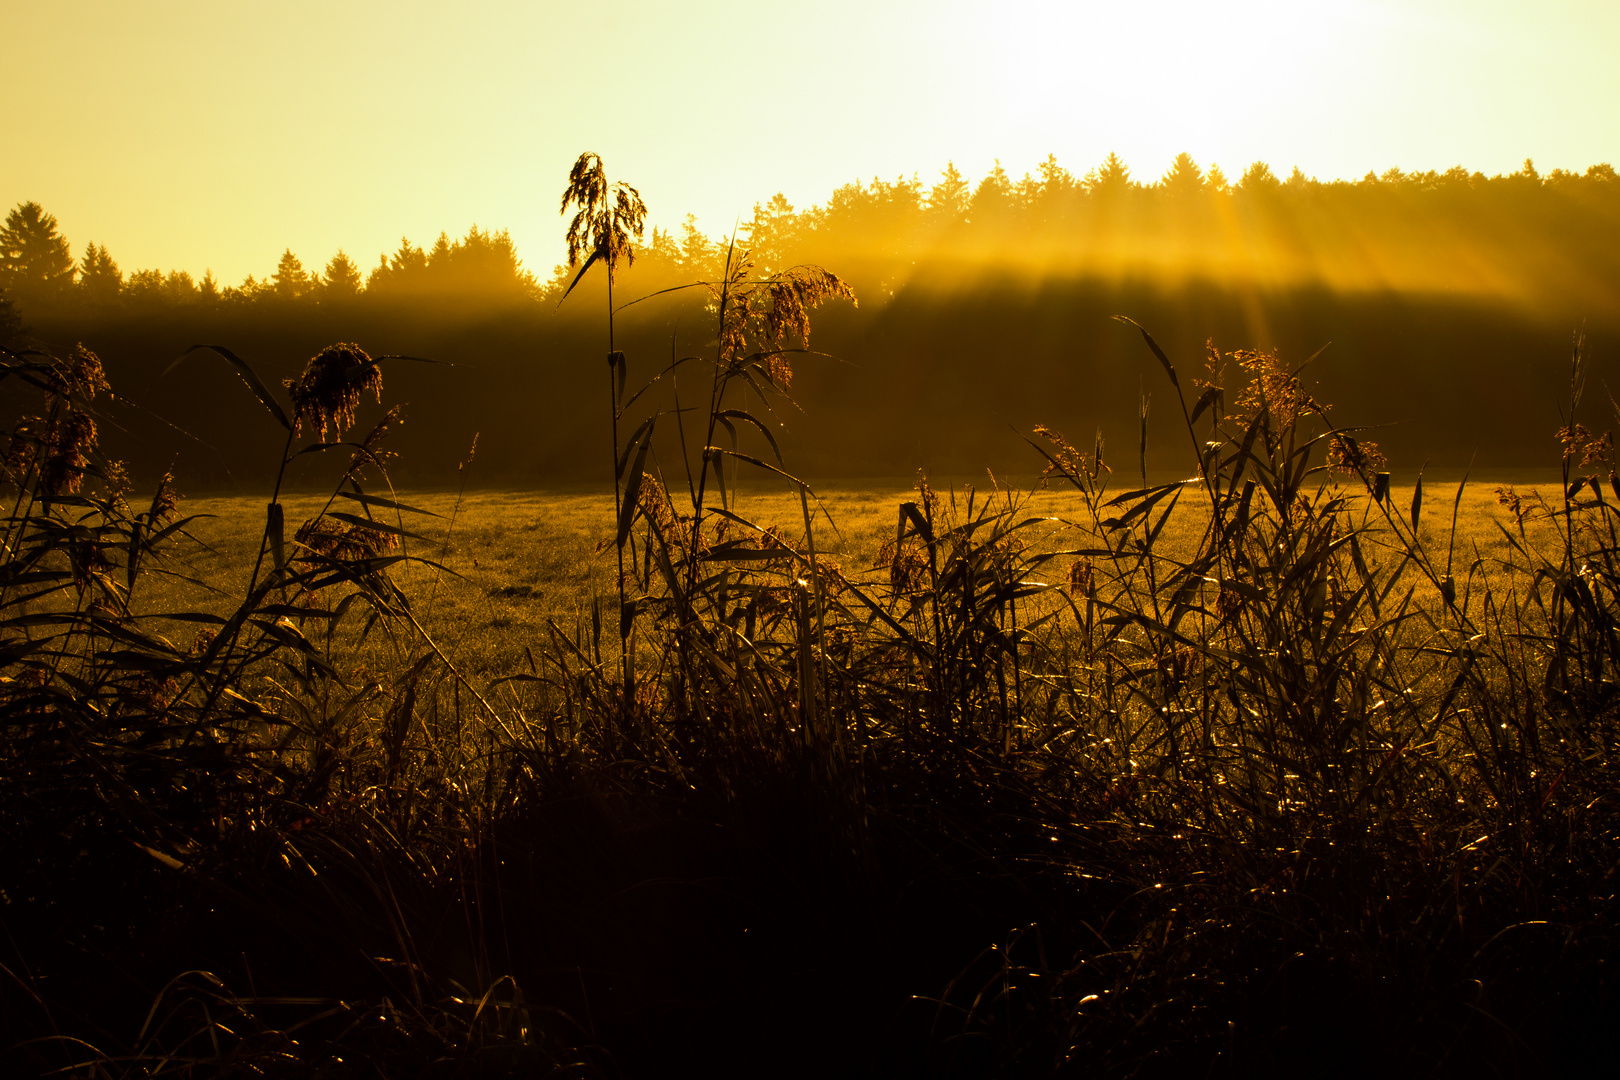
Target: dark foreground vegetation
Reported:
[(1322, 794), (1311, 798)]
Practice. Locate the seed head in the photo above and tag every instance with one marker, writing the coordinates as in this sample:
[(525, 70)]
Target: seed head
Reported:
[(606, 218), (81, 373), (328, 392), (342, 541), (1273, 389), (68, 444), (1352, 457), (165, 502), (1584, 446)]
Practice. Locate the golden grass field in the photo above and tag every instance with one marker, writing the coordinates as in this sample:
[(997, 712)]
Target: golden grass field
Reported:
[(516, 560)]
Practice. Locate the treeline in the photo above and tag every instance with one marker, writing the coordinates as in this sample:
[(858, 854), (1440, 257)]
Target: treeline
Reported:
[(39, 274), (1447, 300), (1526, 236)]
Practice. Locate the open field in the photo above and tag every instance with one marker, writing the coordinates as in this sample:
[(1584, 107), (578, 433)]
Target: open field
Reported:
[(514, 561)]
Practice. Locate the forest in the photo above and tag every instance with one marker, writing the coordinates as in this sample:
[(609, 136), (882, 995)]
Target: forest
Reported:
[(1442, 297)]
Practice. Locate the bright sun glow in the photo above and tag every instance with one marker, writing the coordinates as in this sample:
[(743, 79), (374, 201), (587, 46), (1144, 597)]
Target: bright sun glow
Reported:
[(191, 135)]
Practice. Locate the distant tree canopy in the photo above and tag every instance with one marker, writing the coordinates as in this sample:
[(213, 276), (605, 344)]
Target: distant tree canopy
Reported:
[(480, 264), (1524, 233)]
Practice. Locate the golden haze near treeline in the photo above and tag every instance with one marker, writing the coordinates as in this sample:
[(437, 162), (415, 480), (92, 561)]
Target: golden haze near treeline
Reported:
[(1445, 301)]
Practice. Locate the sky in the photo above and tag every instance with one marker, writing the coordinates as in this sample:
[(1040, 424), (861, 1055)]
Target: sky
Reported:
[(208, 135)]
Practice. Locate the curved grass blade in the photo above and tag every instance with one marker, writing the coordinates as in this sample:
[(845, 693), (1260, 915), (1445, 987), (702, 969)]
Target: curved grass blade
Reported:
[(386, 504), (248, 375)]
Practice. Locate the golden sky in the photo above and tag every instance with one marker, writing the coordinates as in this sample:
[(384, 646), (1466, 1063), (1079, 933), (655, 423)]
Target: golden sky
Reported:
[(194, 135)]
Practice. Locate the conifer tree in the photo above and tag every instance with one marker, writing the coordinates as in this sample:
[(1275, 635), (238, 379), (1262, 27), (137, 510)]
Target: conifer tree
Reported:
[(948, 199), (1259, 177), (291, 280), (1109, 178), (1184, 177), (100, 280), (35, 263), (341, 281)]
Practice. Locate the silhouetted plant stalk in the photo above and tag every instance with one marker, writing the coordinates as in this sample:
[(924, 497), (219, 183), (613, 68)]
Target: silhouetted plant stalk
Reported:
[(607, 217)]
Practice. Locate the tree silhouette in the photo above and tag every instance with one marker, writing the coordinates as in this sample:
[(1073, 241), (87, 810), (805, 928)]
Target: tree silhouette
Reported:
[(661, 250), (949, 199), (341, 281), (405, 272), (697, 252), (1184, 178), (1258, 177), (1109, 178), (290, 281), (179, 287), (438, 257), (993, 196), (1056, 181), (144, 287), (482, 264), (772, 233), (154, 288), (35, 263), (100, 280)]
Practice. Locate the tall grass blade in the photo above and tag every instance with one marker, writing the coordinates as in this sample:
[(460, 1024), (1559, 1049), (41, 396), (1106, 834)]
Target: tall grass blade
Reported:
[(249, 376)]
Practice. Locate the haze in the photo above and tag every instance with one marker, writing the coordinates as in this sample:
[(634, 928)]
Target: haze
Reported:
[(194, 136)]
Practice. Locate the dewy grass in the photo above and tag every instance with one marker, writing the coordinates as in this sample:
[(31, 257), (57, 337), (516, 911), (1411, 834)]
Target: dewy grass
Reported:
[(1255, 768)]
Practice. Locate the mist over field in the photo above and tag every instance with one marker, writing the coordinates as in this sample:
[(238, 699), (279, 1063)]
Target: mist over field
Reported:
[(1443, 306)]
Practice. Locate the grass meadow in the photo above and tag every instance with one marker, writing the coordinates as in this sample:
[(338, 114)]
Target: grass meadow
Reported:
[(514, 561)]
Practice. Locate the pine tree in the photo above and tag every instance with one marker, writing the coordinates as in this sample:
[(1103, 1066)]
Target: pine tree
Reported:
[(1056, 181), (1109, 178), (698, 253), (661, 250), (404, 272), (772, 233), (35, 263), (144, 287), (290, 280), (179, 288), (993, 195), (438, 257), (948, 199), (1184, 177), (100, 280), (341, 281), (1258, 177)]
